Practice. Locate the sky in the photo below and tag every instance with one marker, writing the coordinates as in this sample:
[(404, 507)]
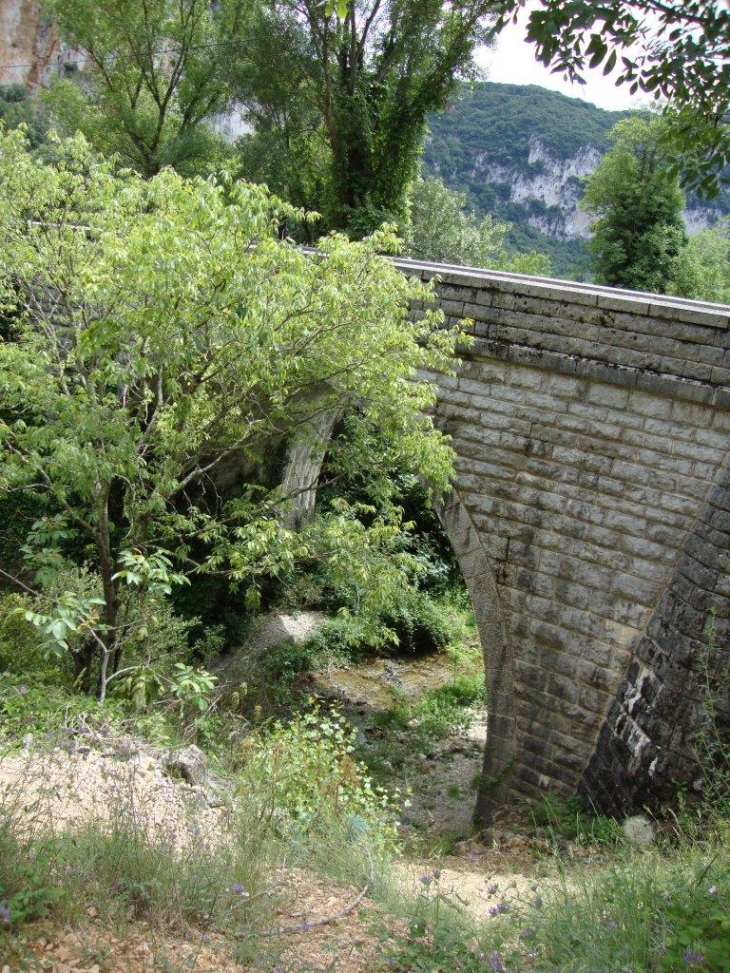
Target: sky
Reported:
[(513, 62)]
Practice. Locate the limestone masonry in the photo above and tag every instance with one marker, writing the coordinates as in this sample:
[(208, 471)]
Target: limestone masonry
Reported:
[(591, 518)]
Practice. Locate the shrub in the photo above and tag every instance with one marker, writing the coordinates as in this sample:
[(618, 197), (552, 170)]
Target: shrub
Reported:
[(306, 776)]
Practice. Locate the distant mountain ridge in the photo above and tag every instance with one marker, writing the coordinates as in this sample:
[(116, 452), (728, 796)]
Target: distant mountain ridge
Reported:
[(520, 153)]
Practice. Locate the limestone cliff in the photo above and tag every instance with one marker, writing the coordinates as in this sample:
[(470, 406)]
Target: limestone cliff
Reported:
[(30, 47)]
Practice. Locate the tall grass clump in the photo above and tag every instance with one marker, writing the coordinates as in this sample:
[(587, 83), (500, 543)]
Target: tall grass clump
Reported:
[(28, 888), (302, 802)]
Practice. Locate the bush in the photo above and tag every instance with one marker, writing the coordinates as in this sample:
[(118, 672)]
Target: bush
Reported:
[(568, 818), (307, 776), (26, 884), (419, 625), (21, 649), (442, 711)]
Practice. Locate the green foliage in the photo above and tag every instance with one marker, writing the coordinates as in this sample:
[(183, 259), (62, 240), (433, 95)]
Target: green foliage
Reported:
[(443, 711), (121, 414), (126, 873), (340, 95), (27, 886), (682, 50), (703, 267), (499, 123), (154, 79), (418, 625), (40, 707), (645, 912), (21, 650), (636, 205), (18, 512), (712, 728), (309, 777), (569, 819), (697, 926), (441, 230), (17, 108), (642, 912), (415, 626), (484, 141), (439, 937)]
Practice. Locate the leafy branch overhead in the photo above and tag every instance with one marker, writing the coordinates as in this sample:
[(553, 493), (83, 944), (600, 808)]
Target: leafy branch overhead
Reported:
[(678, 50)]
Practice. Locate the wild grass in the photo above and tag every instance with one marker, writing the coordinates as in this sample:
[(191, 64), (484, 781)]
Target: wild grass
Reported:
[(302, 802), (305, 802), (664, 909)]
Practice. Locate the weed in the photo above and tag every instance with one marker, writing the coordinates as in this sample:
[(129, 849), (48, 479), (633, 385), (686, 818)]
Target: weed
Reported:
[(567, 818)]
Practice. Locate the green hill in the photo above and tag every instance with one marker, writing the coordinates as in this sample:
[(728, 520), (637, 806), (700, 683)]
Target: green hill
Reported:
[(494, 135), (520, 152)]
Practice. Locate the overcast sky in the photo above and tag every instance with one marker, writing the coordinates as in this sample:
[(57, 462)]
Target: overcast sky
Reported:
[(513, 62)]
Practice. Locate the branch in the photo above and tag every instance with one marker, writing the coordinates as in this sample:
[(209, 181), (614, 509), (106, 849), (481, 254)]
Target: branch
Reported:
[(18, 582), (325, 920)]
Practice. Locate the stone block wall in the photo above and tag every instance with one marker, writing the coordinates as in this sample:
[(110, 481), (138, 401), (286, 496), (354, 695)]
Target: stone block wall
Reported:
[(591, 520)]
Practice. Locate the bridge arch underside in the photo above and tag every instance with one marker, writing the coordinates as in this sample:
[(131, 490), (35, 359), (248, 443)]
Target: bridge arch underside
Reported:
[(591, 518)]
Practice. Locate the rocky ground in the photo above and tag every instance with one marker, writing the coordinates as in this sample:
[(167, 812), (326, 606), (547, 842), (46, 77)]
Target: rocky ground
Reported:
[(331, 926), (88, 776)]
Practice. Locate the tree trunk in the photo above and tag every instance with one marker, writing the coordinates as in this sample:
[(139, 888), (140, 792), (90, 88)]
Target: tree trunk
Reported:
[(110, 593)]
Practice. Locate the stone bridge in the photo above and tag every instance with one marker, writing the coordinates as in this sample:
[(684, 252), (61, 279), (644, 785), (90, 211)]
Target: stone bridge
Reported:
[(591, 518)]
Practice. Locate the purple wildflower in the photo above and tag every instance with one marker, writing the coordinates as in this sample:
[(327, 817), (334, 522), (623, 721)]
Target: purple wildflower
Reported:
[(22, 690), (437, 873), (492, 889), (426, 879), (693, 958), (495, 962), (238, 889), (498, 909), (4, 914)]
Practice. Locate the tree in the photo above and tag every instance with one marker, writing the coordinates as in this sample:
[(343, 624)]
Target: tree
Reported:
[(703, 268), (360, 78), (18, 108), (636, 202), (154, 81), (162, 332), (440, 229), (684, 57)]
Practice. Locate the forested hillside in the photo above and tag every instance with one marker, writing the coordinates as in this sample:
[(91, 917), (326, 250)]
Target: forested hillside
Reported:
[(520, 153)]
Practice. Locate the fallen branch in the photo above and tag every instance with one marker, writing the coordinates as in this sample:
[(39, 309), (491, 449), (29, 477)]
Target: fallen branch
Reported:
[(325, 920)]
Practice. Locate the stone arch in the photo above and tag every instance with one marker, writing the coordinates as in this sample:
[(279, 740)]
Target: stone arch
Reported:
[(304, 463), (479, 576)]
